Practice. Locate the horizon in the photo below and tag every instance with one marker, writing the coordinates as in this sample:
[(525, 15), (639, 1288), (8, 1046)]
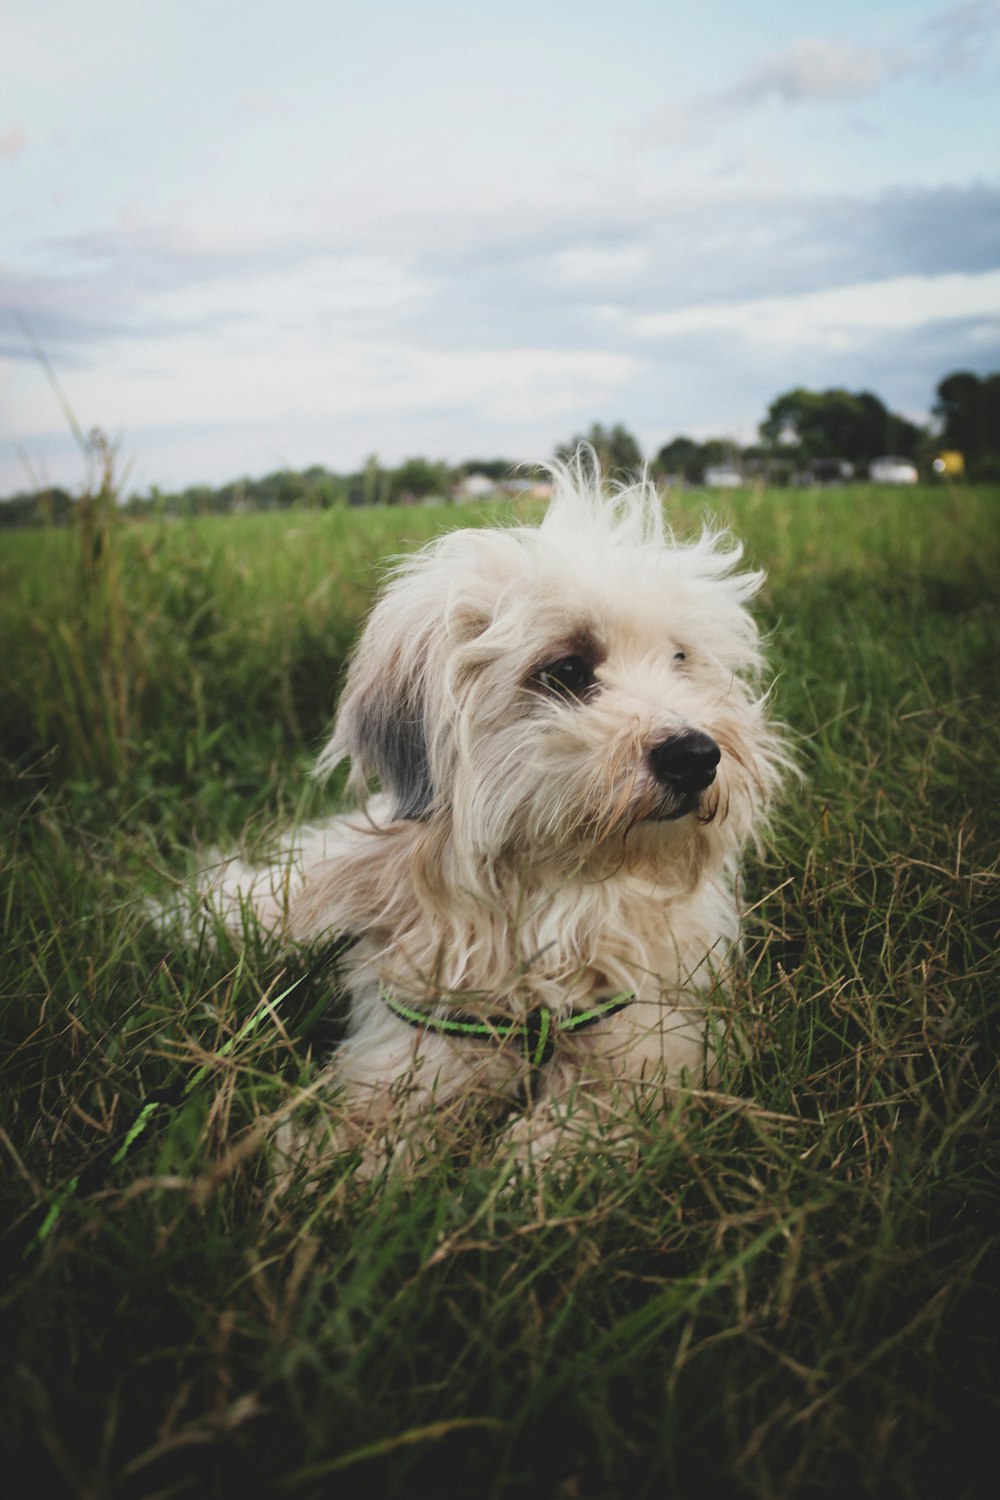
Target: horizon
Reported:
[(471, 464)]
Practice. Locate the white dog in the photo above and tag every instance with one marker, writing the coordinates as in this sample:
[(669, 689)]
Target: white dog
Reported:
[(572, 750)]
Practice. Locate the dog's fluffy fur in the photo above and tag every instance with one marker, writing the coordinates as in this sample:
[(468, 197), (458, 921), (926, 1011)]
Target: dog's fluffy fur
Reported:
[(541, 708)]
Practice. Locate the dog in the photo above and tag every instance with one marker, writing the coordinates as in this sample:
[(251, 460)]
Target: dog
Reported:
[(572, 751)]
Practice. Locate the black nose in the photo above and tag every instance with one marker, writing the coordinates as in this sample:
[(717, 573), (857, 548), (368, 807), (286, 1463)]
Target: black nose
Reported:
[(686, 761)]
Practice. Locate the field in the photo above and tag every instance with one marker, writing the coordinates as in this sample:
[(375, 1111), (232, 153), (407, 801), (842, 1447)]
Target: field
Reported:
[(796, 1292)]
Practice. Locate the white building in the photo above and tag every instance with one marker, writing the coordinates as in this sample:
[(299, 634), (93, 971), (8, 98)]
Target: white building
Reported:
[(723, 477), (892, 471)]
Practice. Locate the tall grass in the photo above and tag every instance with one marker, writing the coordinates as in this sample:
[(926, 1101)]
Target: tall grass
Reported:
[(794, 1291)]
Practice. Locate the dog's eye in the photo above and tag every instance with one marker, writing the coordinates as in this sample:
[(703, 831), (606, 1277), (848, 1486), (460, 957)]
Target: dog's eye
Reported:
[(680, 655), (570, 677)]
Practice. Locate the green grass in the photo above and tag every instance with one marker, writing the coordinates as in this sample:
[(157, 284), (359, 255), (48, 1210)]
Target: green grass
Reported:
[(794, 1293)]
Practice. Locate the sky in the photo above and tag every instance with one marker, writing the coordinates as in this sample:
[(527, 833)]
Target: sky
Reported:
[(249, 237)]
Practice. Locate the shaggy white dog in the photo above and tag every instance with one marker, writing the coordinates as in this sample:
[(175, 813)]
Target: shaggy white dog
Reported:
[(567, 728)]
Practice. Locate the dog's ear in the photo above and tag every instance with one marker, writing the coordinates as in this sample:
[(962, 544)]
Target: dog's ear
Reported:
[(381, 728), (397, 708), (389, 740)]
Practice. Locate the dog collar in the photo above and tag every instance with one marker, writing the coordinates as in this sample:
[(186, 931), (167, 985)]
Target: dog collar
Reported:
[(537, 1033)]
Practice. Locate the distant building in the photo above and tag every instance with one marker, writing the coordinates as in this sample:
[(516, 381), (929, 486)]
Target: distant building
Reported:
[(476, 487), (823, 472), (482, 487), (723, 477), (892, 471), (831, 470), (528, 488)]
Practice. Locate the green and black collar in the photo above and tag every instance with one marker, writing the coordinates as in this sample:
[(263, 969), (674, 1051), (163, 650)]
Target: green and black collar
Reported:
[(536, 1033)]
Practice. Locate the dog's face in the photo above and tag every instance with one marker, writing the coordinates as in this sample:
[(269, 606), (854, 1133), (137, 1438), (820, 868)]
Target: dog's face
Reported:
[(574, 696)]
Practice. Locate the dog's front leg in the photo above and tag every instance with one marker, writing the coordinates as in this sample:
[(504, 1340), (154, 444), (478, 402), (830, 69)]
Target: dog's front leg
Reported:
[(567, 1115), (390, 1103)]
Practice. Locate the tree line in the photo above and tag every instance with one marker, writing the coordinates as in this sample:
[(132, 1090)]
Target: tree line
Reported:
[(808, 433), (805, 436)]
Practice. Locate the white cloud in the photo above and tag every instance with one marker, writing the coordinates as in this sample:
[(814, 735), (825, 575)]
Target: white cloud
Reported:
[(251, 381), (829, 70), (839, 316), (588, 265)]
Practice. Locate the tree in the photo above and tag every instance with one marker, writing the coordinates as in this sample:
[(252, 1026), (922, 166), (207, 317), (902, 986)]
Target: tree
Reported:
[(493, 468), (838, 424), (321, 488), (49, 507), (681, 456), (719, 452), (968, 409), (375, 483), (615, 447), (417, 478), (958, 409)]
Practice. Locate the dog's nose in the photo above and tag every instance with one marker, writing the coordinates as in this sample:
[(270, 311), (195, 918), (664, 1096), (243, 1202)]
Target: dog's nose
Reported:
[(686, 761)]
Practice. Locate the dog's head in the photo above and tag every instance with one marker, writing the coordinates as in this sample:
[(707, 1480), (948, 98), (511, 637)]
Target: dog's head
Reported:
[(567, 695)]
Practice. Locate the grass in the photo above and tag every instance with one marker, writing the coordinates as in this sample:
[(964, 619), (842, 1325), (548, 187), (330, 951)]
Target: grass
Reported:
[(793, 1294)]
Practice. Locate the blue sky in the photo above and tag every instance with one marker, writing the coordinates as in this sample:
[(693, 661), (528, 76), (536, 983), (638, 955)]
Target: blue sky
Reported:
[(250, 237)]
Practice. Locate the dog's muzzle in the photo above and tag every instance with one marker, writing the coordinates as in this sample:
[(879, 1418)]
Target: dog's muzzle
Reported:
[(685, 766)]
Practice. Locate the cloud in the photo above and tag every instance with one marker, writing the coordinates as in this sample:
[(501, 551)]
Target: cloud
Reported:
[(958, 42), (13, 142), (675, 248), (842, 317), (814, 70), (586, 280), (818, 70), (580, 278), (154, 282), (256, 104), (300, 403), (810, 70)]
